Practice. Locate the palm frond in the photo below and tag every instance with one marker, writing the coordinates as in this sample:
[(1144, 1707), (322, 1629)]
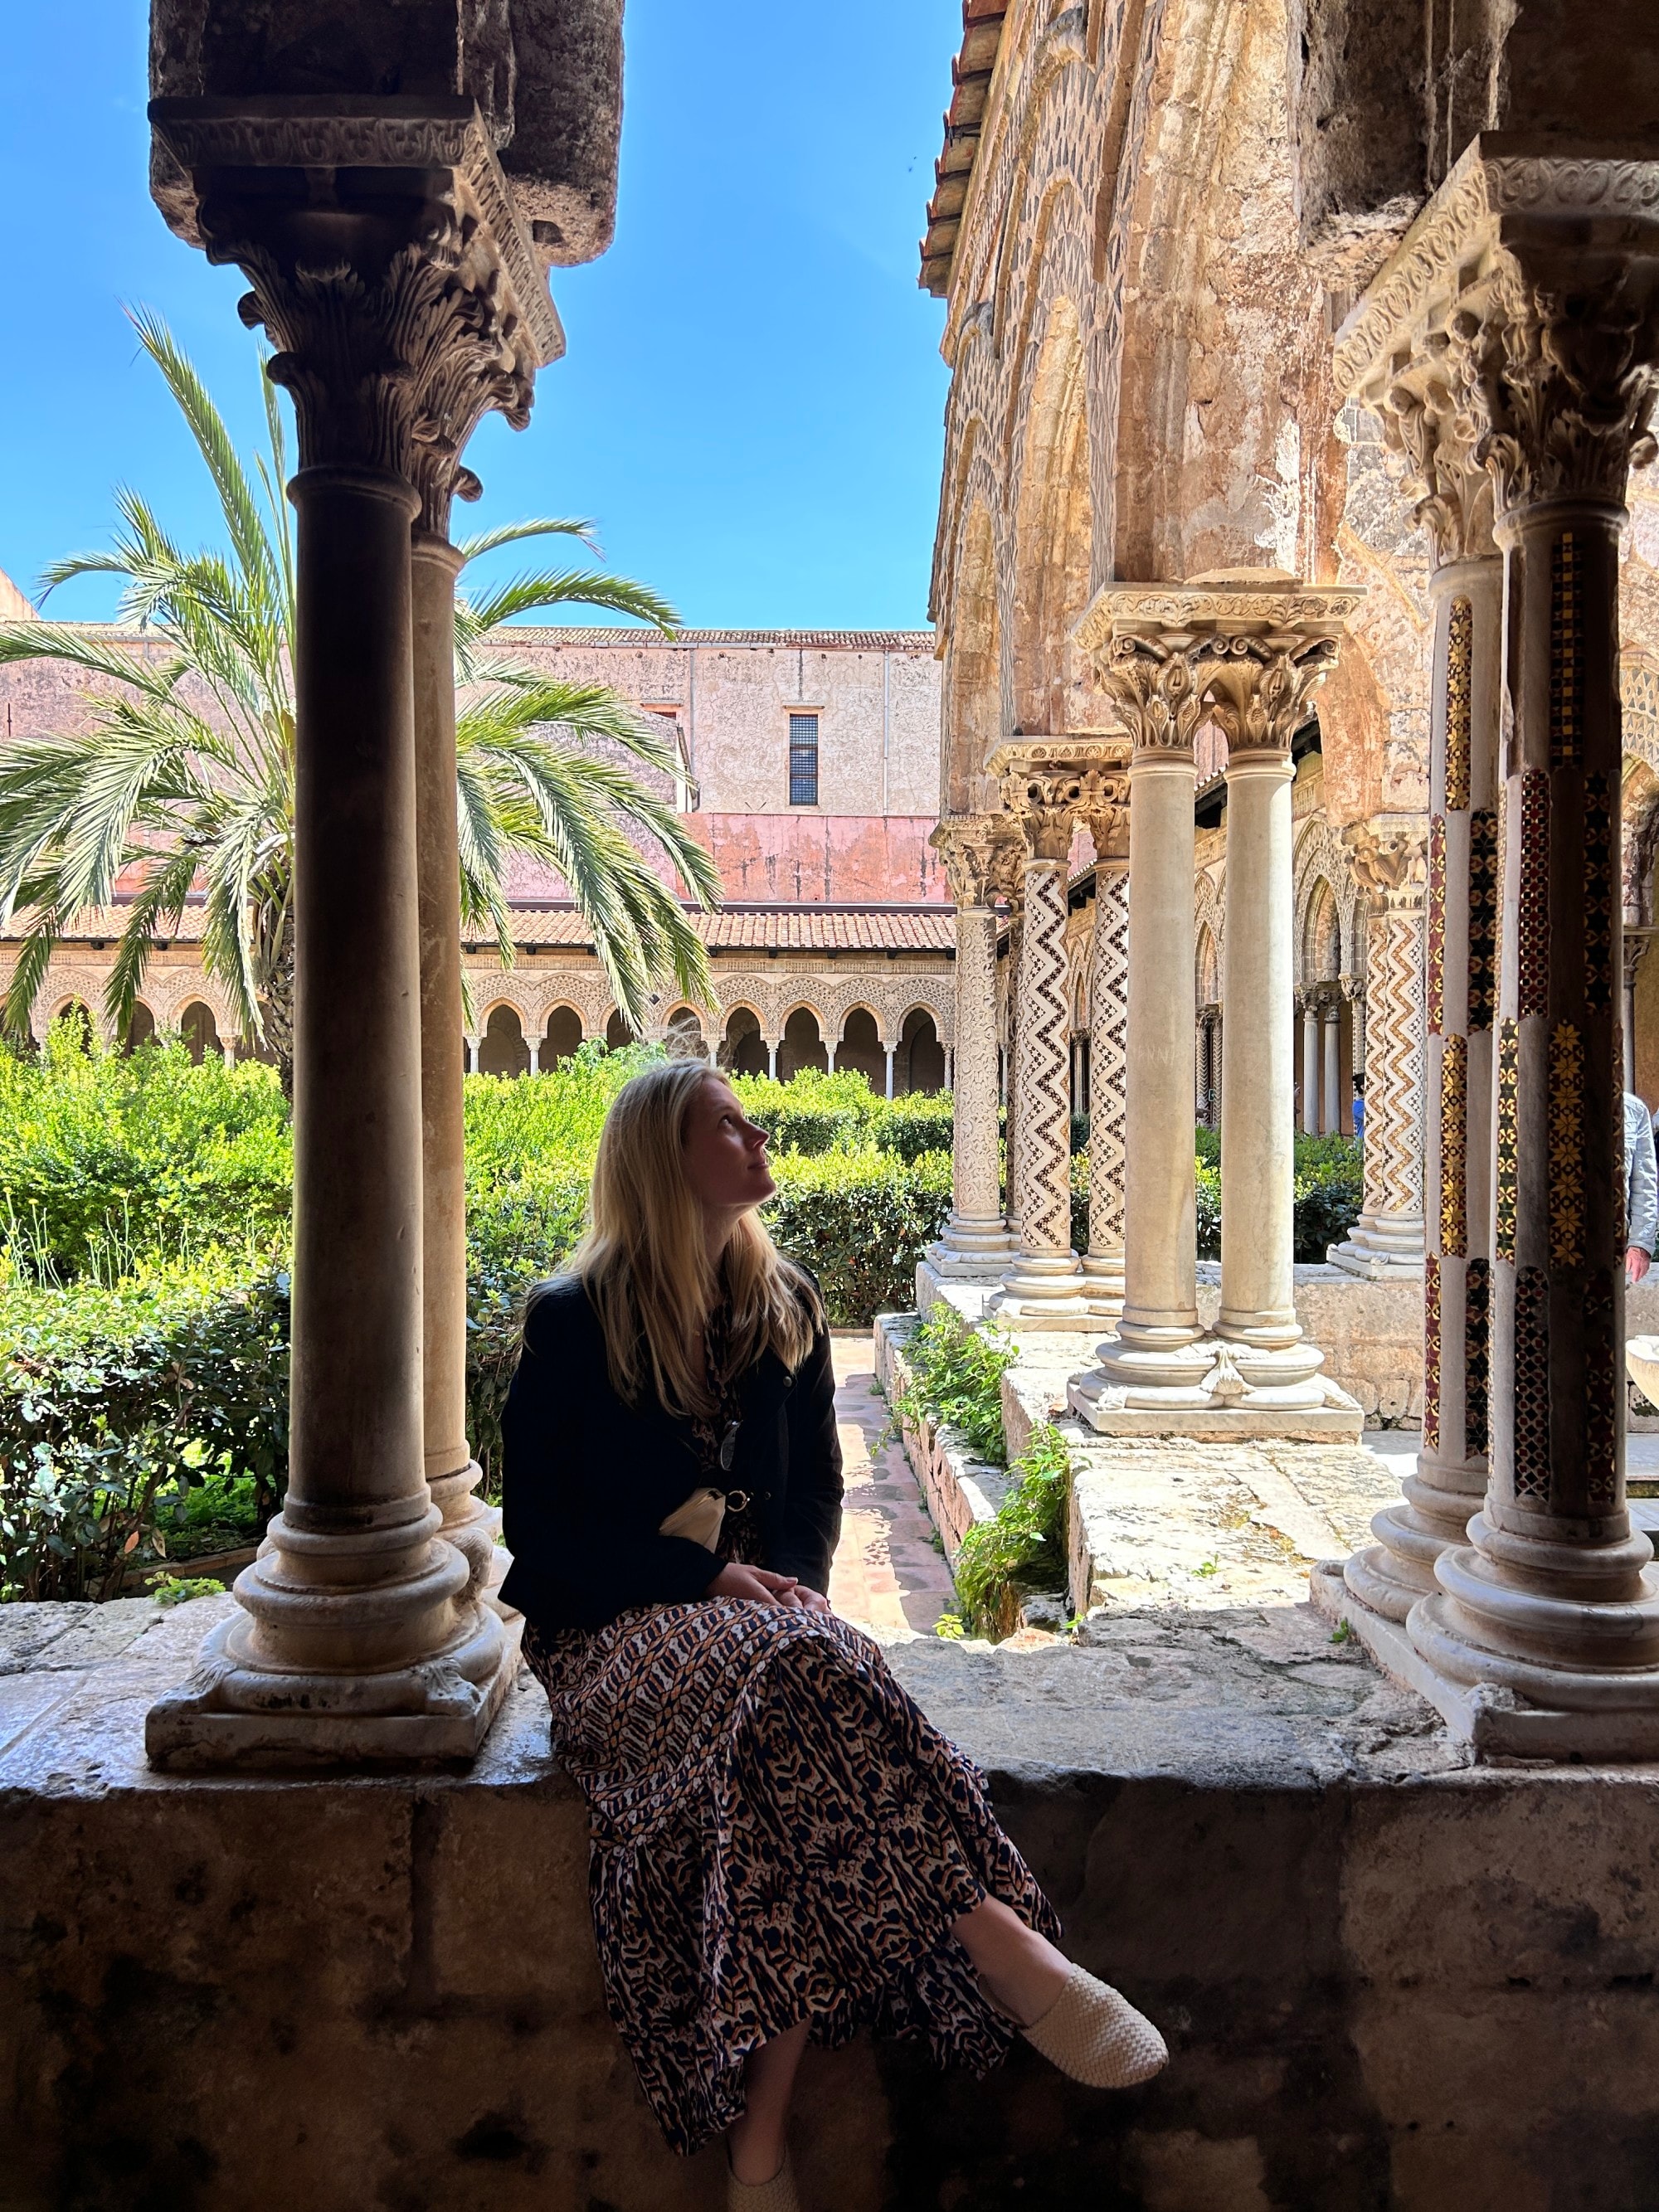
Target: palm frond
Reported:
[(514, 533), (568, 588), (213, 441), (159, 898)]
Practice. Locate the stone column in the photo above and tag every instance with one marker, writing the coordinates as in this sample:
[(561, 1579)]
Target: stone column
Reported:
[(1390, 858), (1331, 1112), (1311, 1063), (1542, 1636), (974, 1241), (1260, 686), (402, 299), (453, 1474), (1109, 1060), (1042, 1285), (1426, 421), (772, 1063), (1012, 1168), (1637, 942), (889, 1054)]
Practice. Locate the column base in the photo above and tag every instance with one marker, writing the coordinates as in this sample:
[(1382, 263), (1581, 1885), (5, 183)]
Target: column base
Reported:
[(367, 1646), (970, 1247), (1501, 1711), (472, 1528), (1383, 1249), (1103, 1285), (1208, 1388), (1430, 1516), (1041, 1291)]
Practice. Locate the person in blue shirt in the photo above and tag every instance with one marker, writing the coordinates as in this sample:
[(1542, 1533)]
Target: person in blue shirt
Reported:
[(1359, 1109), (1641, 1189)]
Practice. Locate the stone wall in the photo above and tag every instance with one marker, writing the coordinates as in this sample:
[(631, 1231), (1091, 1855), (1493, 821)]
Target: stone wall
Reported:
[(1387, 1980)]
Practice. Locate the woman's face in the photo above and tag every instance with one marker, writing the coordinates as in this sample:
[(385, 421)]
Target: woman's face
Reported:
[(724, 1153)]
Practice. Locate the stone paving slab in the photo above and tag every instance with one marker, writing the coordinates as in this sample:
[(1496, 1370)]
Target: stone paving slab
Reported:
[(889, 1574)]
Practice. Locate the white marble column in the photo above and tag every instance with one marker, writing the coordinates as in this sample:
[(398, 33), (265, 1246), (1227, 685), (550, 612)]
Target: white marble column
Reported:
[(1042, 1284), (1331, 1112), (1109, 1058), (890, 1049), (1311, 1063), (976, 1242), (1390, 858), (1542, 1636), (1250, 655)]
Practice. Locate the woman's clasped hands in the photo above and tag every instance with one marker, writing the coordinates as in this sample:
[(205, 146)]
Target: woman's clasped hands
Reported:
[(763, 1587)]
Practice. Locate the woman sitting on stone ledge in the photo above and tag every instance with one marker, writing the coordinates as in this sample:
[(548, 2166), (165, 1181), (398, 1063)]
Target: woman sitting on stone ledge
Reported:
[(782, 1846)]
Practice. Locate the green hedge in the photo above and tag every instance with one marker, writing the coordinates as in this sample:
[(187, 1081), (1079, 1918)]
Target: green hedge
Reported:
[(1327, 1194), (859, 1220)]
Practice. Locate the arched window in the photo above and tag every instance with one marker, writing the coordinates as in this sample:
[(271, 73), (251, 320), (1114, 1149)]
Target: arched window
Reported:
[(862, 1049), (682, 1036), (199, 1032), (564, 1035), (141, 1027), (802, 1046), (742, 1050), (75, 1020), (921, 1057), (503, 1050), (617, 1032)]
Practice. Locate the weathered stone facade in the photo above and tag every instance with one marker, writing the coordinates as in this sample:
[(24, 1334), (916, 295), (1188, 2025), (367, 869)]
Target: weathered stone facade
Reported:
[(837, 935)]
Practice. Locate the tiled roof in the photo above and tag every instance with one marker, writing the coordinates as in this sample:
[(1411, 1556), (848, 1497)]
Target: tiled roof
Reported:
[(733, 929), (635, 634), (970, 78)]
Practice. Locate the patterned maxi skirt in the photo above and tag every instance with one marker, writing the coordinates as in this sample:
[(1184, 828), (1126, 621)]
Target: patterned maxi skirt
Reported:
[(778, 1834)]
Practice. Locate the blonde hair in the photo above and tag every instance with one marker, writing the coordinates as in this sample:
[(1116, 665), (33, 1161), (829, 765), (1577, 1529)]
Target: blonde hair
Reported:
[(644, 1259)]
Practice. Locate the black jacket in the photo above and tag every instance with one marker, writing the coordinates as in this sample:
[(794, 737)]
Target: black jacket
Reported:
[(587, 1480)]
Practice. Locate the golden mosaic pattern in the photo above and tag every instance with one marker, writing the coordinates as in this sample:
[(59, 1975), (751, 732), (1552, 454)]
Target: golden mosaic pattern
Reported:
[(1453, 1114), (1460, 650), (1567, 650), (1436, 932), (1431, 1353), (1484, 894), (1509, 1095), (1533, 924), (1566, 1133), (1598, 894)]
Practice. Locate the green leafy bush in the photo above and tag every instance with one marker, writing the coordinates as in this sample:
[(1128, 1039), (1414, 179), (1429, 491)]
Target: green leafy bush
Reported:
[(118, 1407), (812, 1114), (956, 1377), (859, 1220), (922, 1121), (1023, 1547)]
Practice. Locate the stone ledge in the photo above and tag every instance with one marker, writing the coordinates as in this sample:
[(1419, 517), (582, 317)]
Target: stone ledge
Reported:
[(381, 1990)]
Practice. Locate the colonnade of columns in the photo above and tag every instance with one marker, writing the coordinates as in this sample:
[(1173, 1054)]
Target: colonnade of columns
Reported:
[(405, 300), (1512, 346)]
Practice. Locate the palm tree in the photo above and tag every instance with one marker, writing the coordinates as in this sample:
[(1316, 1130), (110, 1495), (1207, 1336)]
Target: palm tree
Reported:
[(185, 771)]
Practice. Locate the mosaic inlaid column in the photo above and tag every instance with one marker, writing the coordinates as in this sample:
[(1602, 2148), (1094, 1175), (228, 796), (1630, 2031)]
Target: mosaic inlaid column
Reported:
[(1109, 1060), (1390, 858), (400, 309), (1459, 1009), (974, 1241), (1012, 1167), (1552, 350), (1043, 1286)]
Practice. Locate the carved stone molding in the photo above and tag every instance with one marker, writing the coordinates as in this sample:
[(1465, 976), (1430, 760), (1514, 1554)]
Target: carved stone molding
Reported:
[(1426, 417), (1259, 687), (401, 294), (965, 843), (1046, 800)]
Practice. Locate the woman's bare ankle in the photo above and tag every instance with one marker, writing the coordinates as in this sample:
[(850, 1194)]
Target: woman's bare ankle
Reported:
[(755, 2155)]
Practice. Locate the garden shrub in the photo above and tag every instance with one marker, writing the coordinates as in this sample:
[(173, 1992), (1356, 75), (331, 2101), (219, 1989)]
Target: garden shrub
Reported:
[(956, 1374), (812, 1114), (1023, 1547), (136, 1425), (859, 1220), (920, 1121)]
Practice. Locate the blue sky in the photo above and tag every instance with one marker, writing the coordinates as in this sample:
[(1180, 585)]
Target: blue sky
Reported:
[(751, 405)]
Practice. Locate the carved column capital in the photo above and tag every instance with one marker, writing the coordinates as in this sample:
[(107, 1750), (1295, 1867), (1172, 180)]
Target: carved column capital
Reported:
[(401, 294), (1391, 862), (964, 843), (1259, 685), (1525, 302), (1046, 800)]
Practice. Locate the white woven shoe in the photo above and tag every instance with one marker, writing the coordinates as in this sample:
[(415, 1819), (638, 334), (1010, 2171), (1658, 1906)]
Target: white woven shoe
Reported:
[(1097, 2036), (777, 2195)]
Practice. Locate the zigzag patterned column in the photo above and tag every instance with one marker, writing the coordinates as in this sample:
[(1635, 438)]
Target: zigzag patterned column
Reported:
[(1012, 1120), (1108, 1067), (1043, 1286), (1390, 858)]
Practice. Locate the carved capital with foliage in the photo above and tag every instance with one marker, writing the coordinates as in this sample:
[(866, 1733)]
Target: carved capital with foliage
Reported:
[(1258, 686), (1390, 861), (964, 843)]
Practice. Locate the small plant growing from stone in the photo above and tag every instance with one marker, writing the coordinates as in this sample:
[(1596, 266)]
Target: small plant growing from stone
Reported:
[(1342, 1633), (955, 1378), (1023, 1546), (175, 1589), (950, 1627)]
